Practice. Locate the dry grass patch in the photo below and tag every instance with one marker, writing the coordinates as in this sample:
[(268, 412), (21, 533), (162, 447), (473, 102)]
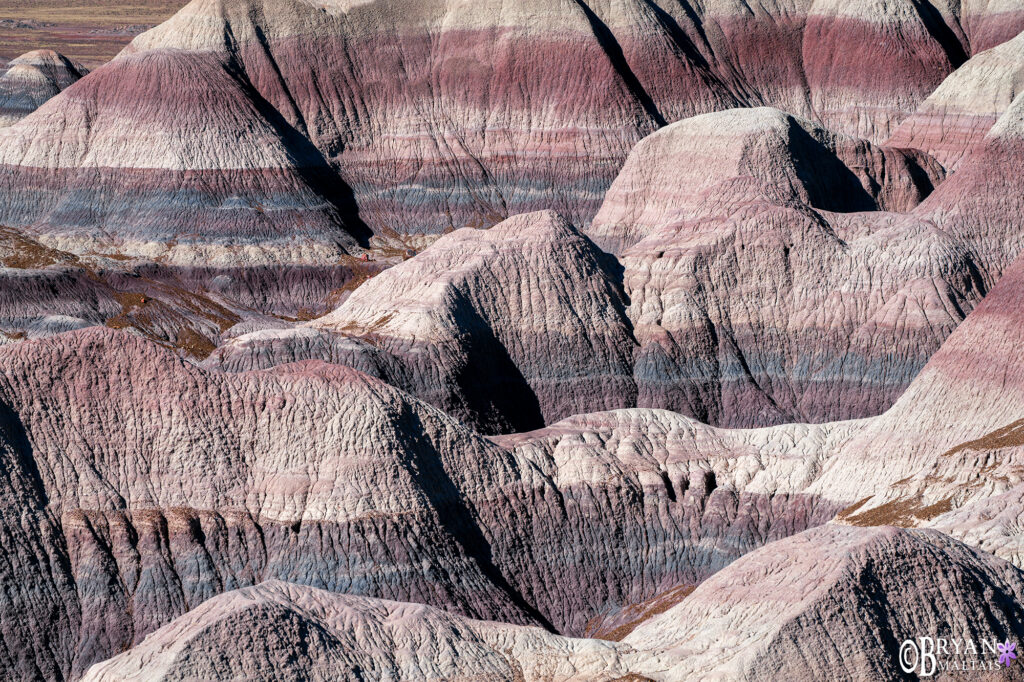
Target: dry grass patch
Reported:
[(89, 32)]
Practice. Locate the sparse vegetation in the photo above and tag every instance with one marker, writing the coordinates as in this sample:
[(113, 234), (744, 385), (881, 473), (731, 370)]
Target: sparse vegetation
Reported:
[(89, 32)]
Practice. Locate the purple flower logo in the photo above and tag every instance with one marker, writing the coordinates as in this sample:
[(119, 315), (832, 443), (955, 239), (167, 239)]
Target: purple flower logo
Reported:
[(1006, 652)]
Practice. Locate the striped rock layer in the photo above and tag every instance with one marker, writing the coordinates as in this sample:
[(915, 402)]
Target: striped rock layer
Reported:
[(771, 271), (954, 428), (351, 638), (830, 602), (761, 291), (193, 309), (445, 114), (955, 118), (276, 515), (171, 186), (838, 602), (177, 508), (772, 279), (145, 485)]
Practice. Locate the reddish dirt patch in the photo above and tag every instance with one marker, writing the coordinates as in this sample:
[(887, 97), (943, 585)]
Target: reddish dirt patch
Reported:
[(1008, 436), (19, 251), (195, 344), (152, 316), (616, 626), (905, 513)]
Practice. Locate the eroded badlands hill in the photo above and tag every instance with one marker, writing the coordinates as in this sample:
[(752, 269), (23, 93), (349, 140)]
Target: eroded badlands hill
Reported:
[(33, 78), (836, 602), (193, 309), (508, 329), (174, 508), (350, 638), (761, 291), (764, 284), (450, 113), (783, 611), (771, 271), (187, 187), (403, 340), (174, 484), (712, 166), (955, 118)]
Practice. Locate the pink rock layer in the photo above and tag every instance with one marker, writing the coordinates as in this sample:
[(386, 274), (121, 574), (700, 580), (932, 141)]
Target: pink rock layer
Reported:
[(755, 301), (192, 309), (953, 427), (145, 485), (765, 286), (170, 532), (787, 610), (954, 119)]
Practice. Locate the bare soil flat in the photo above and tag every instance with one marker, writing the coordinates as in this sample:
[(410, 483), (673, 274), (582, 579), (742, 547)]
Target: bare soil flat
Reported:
[(91, 32)]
